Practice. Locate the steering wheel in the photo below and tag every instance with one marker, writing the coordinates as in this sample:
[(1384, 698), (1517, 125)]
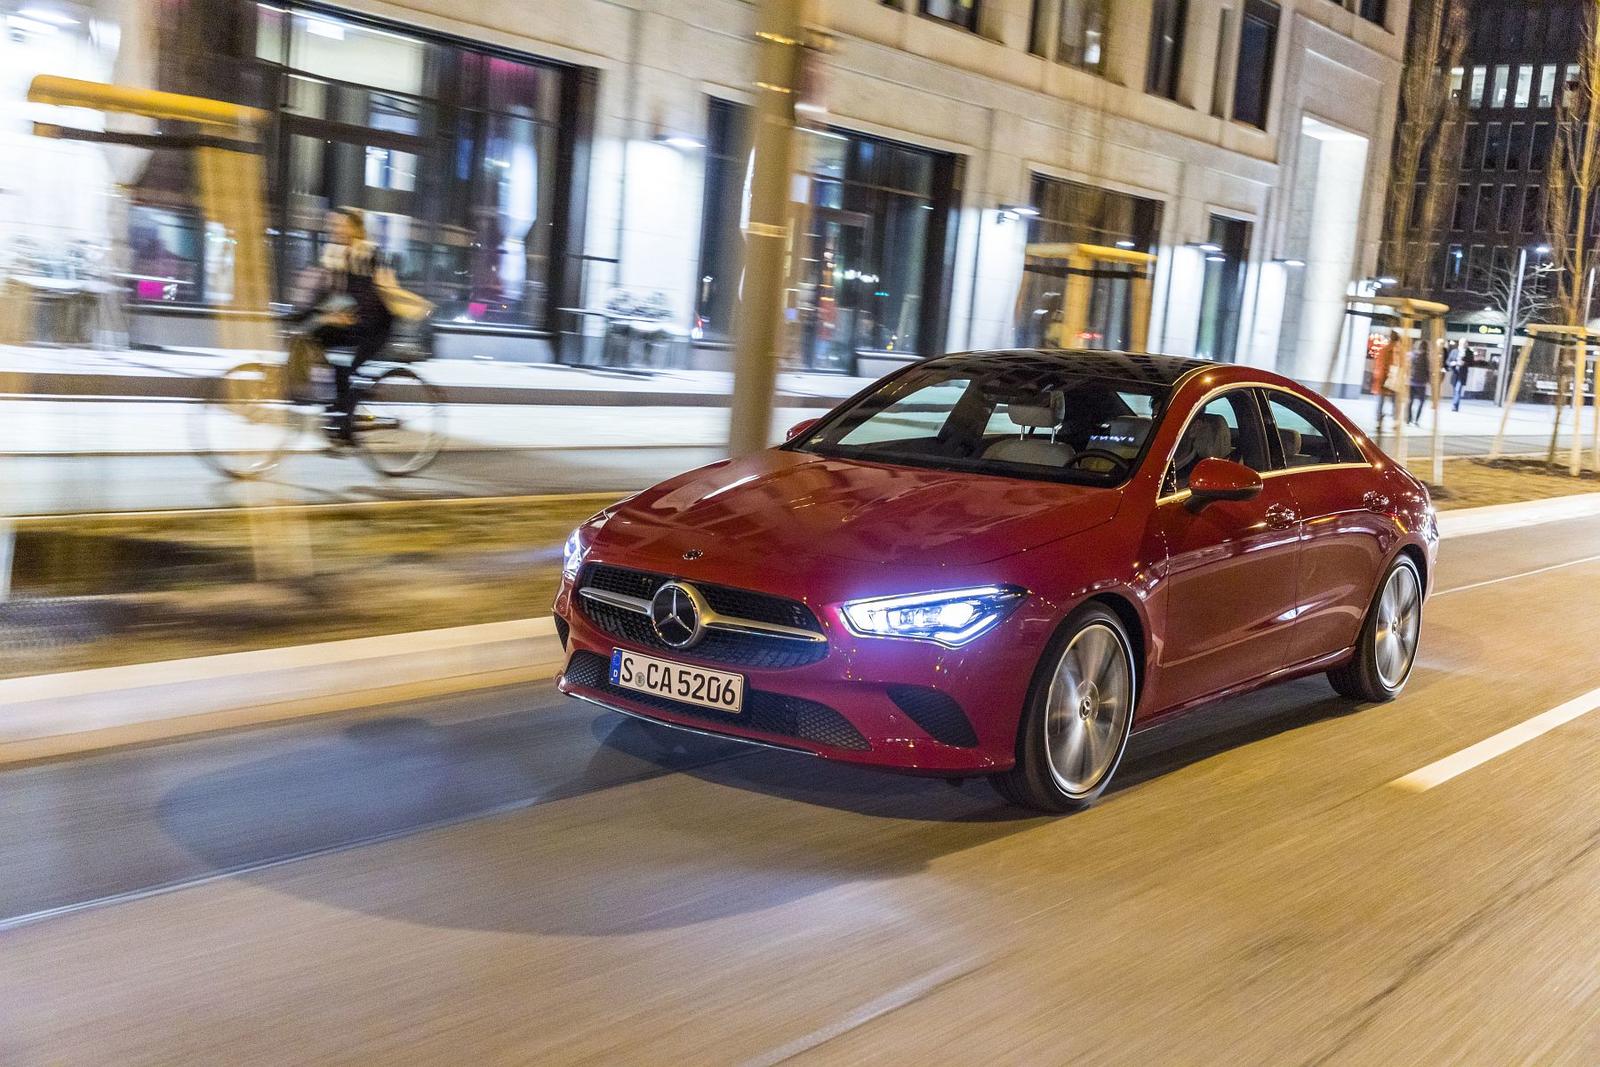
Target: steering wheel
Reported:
[(1102, 454)]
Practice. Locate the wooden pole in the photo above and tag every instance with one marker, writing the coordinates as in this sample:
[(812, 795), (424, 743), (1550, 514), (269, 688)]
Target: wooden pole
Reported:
[(780, 28), (1403, 397), (1579, 372), (1075, 299), (1436, 355), (1143, 285)]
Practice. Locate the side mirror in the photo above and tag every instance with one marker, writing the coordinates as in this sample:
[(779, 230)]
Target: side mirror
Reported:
[(1221, 479), (800, 429)]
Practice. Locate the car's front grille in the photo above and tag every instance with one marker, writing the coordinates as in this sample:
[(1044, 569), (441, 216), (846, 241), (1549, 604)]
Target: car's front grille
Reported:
[(718, 646), (767, 713)]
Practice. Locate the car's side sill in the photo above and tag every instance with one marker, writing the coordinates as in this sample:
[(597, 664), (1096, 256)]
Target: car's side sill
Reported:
[(1285, 674)]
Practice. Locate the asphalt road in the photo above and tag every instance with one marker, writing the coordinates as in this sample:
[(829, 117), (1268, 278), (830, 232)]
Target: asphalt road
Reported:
[(72, 484), (514, 878)]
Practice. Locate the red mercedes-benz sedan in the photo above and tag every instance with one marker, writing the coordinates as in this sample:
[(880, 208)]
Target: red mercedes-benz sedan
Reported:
[(1003, 563)]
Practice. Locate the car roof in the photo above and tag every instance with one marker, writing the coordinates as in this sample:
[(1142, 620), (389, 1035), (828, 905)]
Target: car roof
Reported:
[(1112, 366)]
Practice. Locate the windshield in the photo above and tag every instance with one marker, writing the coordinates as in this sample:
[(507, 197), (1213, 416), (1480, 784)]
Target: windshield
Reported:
[(1034, 418)]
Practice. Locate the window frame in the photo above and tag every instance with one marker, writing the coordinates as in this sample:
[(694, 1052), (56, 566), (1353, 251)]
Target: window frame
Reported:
[(1169, 25), (1168, 488), (1333, 432), (1268, 15), (970, 24)]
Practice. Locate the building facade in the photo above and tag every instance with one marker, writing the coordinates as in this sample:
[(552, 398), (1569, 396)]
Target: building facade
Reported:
[(1519, 60), (1204, 176)]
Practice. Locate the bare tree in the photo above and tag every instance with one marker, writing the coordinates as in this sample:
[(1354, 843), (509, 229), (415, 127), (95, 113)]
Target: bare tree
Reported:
[(1537, 303), (1574, 178), (1427, 137)]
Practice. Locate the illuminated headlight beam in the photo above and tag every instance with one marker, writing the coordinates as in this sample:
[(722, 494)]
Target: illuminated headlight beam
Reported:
[(951, 617)]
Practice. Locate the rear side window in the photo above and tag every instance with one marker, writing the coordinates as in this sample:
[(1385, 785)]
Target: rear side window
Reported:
[(1307, 435)]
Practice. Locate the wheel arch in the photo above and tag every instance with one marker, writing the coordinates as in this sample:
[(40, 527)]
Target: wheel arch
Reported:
[(1132, 620), (1418, 557)]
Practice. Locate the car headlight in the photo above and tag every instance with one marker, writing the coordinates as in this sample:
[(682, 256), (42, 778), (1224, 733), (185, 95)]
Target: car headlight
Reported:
[(952, 617), (572, 554)]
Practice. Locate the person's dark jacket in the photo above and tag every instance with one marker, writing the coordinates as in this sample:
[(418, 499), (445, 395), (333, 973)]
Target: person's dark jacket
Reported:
[(1420, 371), (351, 271)]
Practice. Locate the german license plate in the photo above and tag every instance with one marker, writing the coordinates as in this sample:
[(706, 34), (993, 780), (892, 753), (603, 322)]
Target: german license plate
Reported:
[(678, 681)]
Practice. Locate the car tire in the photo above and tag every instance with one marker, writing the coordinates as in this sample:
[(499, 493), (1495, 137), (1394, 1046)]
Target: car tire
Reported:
[(1386, 650), (1078, 716)]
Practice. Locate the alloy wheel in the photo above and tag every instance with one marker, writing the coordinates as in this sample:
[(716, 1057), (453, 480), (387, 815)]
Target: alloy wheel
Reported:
[(1398, 627), (1087, 708)]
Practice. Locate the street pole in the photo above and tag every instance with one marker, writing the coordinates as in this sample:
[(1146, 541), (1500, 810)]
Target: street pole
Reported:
[(779, 32), (1511, 325)]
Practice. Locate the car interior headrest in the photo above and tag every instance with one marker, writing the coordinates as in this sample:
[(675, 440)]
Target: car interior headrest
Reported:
[(1211, 437), (1042, 412), (1291, 442)]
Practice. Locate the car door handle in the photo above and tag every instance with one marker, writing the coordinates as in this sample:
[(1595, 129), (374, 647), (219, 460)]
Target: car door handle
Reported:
[(1375, 501), (1281, 517)]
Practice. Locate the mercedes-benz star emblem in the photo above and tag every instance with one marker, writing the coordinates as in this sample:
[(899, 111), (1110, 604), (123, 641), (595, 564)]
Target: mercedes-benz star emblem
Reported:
[(693, 553), (677, 615)]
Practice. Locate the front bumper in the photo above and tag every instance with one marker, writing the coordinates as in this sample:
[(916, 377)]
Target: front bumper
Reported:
[(905, 705)]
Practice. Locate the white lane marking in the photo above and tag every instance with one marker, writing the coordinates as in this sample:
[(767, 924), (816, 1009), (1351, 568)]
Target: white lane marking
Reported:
[(893, 1000), (1441, 771), (1514, 577)]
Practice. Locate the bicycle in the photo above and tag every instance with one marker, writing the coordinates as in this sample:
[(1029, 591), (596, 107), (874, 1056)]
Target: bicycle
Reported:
[(252, 416)]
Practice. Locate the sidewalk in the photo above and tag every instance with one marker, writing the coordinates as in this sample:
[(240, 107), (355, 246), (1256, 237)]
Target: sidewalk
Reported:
[(87, 402), (183, 375)]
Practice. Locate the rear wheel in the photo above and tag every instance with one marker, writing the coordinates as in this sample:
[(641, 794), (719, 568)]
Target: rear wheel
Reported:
[(1387, 648), (247, 420), (1079, 714), (399, 423)]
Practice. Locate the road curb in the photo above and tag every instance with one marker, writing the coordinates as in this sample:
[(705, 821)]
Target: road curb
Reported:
[(1467, 522)]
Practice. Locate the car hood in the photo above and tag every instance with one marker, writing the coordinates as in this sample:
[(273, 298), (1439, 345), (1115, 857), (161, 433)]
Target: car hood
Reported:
[(786, 505)]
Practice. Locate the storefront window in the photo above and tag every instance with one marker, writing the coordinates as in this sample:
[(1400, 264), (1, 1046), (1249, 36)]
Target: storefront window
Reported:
[(57, 217), (1074, 223), (872, 257), (722, 219), (1222, 294), (164, 255), (450, 153)]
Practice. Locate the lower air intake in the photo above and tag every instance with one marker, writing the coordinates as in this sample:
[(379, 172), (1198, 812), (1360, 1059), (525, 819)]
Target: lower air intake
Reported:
[(937, 713)]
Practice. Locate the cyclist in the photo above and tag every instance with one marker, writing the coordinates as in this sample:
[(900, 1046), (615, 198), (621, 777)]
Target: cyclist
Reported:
[(350, 308)]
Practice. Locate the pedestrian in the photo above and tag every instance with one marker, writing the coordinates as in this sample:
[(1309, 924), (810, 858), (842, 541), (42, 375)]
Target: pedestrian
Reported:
[(1460, 364), (1383, 376), (1419, 383)]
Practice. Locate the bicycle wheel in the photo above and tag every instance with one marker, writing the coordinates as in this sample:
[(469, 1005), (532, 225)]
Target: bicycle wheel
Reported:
[(399, 423), (246, 422)]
